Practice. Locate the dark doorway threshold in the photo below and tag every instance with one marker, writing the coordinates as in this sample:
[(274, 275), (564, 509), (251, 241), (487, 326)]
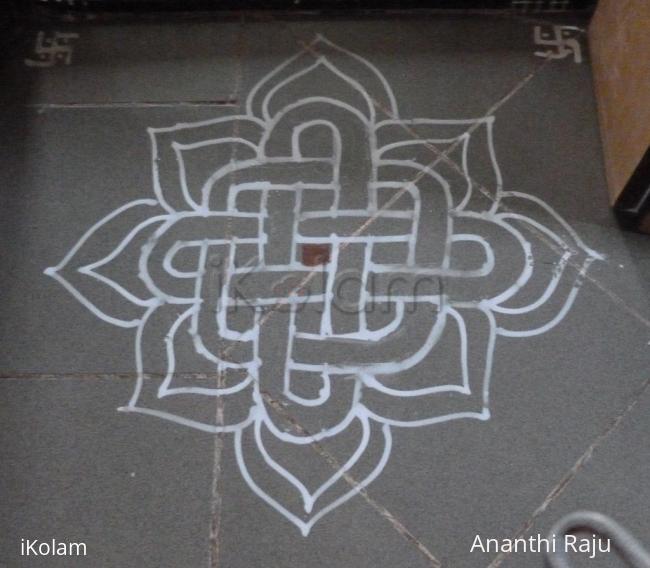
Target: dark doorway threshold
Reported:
[(525, 6)]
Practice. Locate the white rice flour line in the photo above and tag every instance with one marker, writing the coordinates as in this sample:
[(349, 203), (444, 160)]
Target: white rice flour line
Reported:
[(278, 159)]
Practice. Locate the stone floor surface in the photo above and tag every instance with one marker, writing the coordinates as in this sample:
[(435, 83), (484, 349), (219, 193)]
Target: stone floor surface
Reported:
[(318, 292)]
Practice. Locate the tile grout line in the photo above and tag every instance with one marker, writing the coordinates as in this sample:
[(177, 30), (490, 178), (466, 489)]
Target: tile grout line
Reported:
[(277, 406), (615, 298), (443, 156), (395, 523), (214, 559), (581, 462), (575, 470), (566, 480), (557, 491), (216, 502), (570, 476), (226, 102), (350, 480), (207, 376), (98, 376), (439, 156)]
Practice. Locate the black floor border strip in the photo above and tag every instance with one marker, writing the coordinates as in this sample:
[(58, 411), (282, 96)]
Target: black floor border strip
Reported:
[(520, 6)]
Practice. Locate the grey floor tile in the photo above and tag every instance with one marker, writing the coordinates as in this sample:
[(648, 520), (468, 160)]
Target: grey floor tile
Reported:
[(463, 64), (624, 276), (551, 396), (118, 62), (254, 534), (525, 404), (66, 171), (548, 143), (135, 490), (611, 482)]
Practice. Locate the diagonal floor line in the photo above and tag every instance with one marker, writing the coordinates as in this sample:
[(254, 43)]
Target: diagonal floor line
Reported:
[(385, 513), (282, 303), (277, 406), (380, 509), (445, 156), (361, 229), (439, 156), (557, 491), (215, 562), (567, 479), (575, 470), (508, 96), (350, 480), (615, 298)]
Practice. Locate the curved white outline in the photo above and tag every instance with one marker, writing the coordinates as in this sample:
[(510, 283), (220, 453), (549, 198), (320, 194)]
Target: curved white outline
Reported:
[(365, 375), (305, 527)]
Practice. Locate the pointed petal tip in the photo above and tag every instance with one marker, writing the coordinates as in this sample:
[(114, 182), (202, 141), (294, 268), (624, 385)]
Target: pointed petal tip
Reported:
[(597, 255)]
